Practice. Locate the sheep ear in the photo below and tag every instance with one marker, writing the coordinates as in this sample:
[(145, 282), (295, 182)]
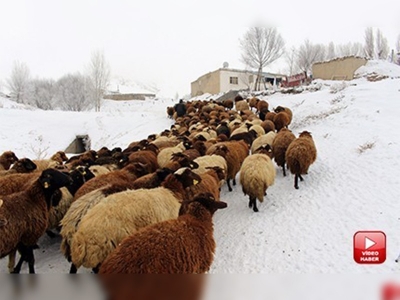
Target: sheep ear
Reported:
[(219, 205), (1, 202)]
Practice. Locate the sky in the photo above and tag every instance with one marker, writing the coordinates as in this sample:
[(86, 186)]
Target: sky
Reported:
[(170, 43)]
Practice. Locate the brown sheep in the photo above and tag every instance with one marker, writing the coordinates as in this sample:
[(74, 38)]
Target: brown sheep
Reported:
[(270, 116), (279, 146), (253, 103), (146, 157), (210, 182), (170, 111), (16, 182), (281, 120), (300, 154), (268, 126), (185, 245), (27, 214), (228, 104), (7, 159), (286, 110), (234, 153), (262, 105)]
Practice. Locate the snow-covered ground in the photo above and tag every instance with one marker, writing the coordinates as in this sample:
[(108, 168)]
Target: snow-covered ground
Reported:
[(354, 184)]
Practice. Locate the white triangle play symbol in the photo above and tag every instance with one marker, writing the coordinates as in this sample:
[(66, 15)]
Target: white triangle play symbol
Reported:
[(368, 243)]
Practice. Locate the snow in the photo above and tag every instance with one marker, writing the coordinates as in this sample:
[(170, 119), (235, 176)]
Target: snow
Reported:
[(353, 185)]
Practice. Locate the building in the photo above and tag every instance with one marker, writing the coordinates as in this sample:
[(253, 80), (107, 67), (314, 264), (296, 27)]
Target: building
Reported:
[(125, 92), (226, 79), (342, 68)]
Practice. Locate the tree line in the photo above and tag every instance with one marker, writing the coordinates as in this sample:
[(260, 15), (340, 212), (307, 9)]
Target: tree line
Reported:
[(71, 92)]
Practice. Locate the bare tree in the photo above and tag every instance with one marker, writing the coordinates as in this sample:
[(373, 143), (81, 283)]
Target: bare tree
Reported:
[(331, 51), (72, 93), (290, 57), (99, 74), (397, 55), (309, 54), (18, 83), (42, 92), (350, 49), (260, 47), (382, 48), (369, 47)]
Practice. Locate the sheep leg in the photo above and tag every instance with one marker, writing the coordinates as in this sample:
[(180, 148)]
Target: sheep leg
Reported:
[(234, 181), (228, 182), (11, 260), (255, 209), (296, 182), (284, 170), (301, 178), (31, 260), (250, 202), (73, 269)]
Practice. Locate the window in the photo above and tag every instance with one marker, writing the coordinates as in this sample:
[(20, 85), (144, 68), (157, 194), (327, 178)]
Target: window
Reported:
[(233, 80)]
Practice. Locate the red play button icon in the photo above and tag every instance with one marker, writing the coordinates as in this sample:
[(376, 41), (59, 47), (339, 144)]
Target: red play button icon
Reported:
[(369, 247)]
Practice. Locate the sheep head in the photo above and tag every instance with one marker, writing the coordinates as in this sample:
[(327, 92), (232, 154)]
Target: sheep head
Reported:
[(187, 177), (264, 149), (24, 165), (206, 200), (51, 179), (219, 171), (10, 157), (305, 134)]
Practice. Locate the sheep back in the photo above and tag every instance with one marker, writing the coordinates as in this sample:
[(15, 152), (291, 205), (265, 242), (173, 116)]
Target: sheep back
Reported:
[(115, 218), (301, 153), (280, 145), (256, 175)]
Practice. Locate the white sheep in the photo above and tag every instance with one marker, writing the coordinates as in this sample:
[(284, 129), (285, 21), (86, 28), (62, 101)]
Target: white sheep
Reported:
[(266, 139), (164, 157), (256, 175)]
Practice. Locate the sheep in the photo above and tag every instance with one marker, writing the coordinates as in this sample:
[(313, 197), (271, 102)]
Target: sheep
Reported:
[(280, 145), (170, 111), (180, 160), (211, 182), (127, 174), (23, 165), (266, 139), (256, 175), (146, 156), (106, 224), (181, 246), (248, 137), (99, 170), (286, 110), (81, 206), (262, 106), (253, 103), (223, 128), (55, 160), (85, 159), (14, 183), (300, 154), (241, 105), (258, 128), (209, 161), (268, 126), (234, 152), (281, 120), (228, 104), (7, 159), (165, 155), (27, 215)]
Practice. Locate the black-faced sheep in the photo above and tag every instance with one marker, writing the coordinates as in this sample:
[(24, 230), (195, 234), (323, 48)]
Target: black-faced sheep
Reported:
[(23, 165), (300, 154), (182, 246), (7, 159), (280, 145), (256, 175), (106, 224), (27, 215)]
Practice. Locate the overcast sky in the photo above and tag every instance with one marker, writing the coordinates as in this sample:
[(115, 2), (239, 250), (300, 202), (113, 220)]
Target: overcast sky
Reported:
[(171, 43)]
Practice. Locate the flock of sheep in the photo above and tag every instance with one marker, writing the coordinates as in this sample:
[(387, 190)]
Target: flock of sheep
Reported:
[(148, 208)]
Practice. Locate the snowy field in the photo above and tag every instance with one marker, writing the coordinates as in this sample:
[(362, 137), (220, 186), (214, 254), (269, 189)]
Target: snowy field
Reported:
[(354, 184)]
